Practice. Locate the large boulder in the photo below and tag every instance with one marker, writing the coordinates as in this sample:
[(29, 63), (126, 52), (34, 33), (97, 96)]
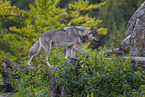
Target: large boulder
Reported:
[(134, 41)]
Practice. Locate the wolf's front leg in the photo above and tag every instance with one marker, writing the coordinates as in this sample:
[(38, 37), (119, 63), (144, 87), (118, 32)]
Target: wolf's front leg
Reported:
[(48, 64), (70, 52), (77, 46), (73, 52), (67, 52)]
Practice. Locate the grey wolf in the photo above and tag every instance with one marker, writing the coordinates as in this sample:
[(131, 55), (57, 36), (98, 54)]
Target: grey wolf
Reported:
[(66, 37)]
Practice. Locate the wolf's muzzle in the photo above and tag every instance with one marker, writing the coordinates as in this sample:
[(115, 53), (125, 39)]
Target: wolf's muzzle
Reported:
[(96, 40)]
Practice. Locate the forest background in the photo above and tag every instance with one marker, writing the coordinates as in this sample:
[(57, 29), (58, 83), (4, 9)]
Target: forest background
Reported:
[(22, 21)]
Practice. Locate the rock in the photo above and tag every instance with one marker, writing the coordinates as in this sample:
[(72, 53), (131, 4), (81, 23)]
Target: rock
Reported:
[(134, 41)]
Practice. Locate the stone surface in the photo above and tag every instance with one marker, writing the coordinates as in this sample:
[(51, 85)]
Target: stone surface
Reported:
[(134, 41)]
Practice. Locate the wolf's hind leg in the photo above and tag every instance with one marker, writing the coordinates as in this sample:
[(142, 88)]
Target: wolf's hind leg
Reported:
[(35, 55), (48, 48), (70, 52), (30, 61), (36, 52)]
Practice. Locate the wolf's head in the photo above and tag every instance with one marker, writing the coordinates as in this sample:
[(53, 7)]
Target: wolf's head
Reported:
[(92, 34)]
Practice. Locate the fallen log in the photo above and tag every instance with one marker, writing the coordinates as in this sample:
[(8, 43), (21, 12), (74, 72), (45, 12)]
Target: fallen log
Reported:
[(54, 88), (8, 69), (140, 61)]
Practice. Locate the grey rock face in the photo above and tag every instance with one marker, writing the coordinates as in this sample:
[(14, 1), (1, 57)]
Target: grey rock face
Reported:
[(134, 41)]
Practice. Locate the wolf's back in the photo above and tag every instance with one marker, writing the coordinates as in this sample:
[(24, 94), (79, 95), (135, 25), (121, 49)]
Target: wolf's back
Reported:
[(34, 49)]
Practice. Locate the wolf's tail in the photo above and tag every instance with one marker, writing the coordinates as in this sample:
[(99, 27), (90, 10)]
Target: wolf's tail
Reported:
[(36, 48)]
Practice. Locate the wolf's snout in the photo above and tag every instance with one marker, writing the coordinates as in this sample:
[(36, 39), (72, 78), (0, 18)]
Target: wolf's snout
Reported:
[(99, 40), (96, 40)]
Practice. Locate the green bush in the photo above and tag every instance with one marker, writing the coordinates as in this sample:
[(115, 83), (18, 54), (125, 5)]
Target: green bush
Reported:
[(36, 83), (31, 83), (95, 75), (101, 77)]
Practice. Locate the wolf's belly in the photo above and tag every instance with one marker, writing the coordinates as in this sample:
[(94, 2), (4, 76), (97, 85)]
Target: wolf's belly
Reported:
[(63, 44), (62, 41)]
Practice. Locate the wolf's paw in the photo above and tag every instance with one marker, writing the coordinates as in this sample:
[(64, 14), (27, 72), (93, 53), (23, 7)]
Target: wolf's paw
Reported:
[(28, 64), (51, 66)]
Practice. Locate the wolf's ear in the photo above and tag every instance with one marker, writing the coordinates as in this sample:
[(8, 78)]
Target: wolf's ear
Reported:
[(92, 27)]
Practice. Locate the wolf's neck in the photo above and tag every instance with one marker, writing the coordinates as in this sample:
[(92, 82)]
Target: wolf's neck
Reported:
[(83, 31)]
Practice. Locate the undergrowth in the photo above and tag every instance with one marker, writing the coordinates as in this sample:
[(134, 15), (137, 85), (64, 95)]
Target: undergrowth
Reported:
[(95, 76), (102, 77)]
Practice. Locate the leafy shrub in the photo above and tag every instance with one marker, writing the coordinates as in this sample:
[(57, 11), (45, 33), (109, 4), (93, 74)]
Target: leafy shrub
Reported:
[(95, 75), (36, 83), (31, 83), (101, 77)]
